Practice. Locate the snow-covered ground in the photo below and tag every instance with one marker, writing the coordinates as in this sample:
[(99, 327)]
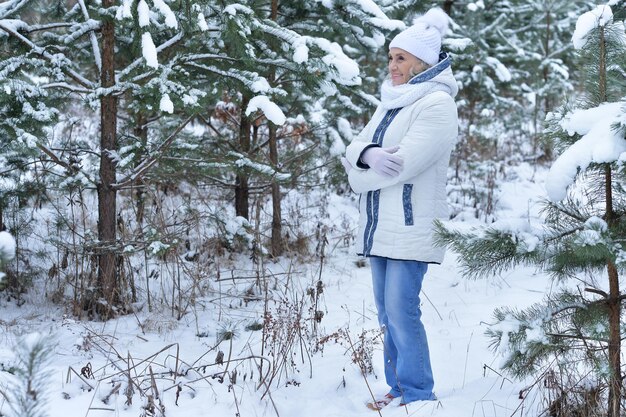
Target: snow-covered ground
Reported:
[(322, 380)]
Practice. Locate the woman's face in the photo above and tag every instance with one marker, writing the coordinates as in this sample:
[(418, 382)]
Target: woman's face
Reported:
[(403, 66)]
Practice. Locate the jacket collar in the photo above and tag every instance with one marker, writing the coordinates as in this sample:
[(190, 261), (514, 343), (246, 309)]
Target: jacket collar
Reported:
[(437, 78)]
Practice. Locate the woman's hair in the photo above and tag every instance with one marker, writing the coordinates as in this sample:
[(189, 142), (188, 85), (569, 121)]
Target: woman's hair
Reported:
[(413, 72), (424, 65)]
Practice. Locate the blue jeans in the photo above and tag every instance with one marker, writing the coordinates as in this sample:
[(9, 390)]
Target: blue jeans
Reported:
[(397, 284)]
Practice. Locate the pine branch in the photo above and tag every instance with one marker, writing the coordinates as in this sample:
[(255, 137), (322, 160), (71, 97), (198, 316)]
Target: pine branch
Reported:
[(66, 86), (37, 28), (94, 41), (10, 7), (56, 159), (42, 52), (136, 63), (147, 163)]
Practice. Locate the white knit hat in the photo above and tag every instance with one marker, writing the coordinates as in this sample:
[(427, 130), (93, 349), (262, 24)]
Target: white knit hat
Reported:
[(423, 39)]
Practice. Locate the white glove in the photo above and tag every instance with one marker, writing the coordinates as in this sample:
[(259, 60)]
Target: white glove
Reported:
[(383, 161)]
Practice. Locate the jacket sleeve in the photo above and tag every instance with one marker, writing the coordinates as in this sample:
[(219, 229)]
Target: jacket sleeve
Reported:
[(361, 142), (431, 136)]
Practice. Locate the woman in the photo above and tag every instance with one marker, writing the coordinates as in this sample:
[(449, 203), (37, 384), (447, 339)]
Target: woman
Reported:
[(399, 165)]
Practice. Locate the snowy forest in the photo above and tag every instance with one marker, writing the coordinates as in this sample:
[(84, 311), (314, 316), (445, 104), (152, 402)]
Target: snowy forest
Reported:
[(177, 231)]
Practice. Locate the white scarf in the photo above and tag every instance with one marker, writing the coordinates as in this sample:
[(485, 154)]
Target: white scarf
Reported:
[(434, 79)]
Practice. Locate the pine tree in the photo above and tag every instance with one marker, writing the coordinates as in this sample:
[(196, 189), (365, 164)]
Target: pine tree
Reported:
[(511, 59), (120, 81), (26, 392), (582, 235)]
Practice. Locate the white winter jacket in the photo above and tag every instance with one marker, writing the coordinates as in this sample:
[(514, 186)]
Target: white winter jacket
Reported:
[(397, 214)]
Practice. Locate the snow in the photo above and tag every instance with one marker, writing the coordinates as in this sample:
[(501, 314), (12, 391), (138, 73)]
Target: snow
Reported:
[(588, 237), (301, 51), (143, 12), (261, 85), (343, 125), (327, 3), (202, 22), (170, 17), (457, 45), (596, 223), (455, 313), (600, 16), (15, 25), (149, 50), (269, 108), (599, 143), (125, 10), (238, 226), (380, 19), (166, 104), (233, 9), (157, 248), (472, 7), (338, 148), (192, 98), (7, 246), (592, 234), (347, 69), (370, 7), (502, 72)]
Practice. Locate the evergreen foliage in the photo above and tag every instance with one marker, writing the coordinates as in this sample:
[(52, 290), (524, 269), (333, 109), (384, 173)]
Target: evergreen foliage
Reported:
[(26, 392), (582, 238)]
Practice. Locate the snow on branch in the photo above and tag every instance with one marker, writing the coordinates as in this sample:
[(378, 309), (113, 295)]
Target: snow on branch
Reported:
[(269, 108), (346, 68), (137, 62), (243, 161), (501, 71), (252, 80), (598, 17), (600, 143), (7, 8), (149, 51), (42, 52), (94, 41), (14, 24), (375, 16)]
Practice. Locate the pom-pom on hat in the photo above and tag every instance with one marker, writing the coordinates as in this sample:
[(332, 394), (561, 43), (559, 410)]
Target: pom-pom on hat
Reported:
[(423, 39)]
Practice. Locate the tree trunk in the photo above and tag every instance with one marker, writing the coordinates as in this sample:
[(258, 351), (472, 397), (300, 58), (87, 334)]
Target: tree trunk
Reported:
[(615, 381), (242, 192), (277, 229), (107, 279), (602, 69), (447, 6), (614, 304), (141, 131)]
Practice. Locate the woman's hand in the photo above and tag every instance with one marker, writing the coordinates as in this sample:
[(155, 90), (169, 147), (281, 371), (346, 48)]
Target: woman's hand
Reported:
[(383, 161)]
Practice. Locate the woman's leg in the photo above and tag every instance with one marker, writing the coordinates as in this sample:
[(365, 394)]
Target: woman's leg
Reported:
[(390, 353), (404, 328)]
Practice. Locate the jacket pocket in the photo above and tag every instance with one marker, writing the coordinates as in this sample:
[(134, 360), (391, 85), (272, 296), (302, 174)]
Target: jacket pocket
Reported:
[(407, 204)]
